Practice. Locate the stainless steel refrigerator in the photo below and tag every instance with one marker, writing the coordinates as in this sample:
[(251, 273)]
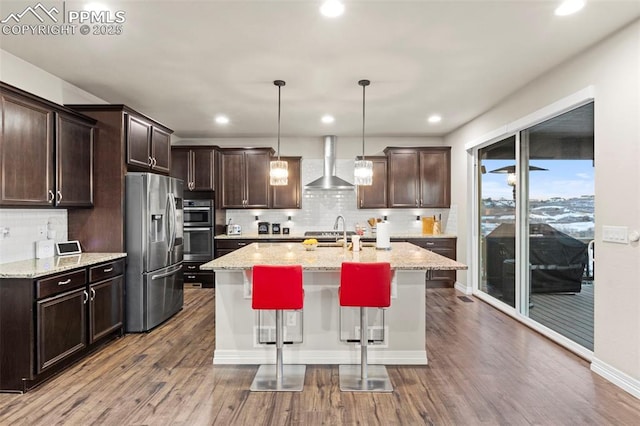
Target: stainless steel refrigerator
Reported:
[(154, 239)]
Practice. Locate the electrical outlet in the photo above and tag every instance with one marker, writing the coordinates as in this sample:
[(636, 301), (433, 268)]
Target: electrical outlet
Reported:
[(42, 231), (5, 233), (615, 234), (291, 319)]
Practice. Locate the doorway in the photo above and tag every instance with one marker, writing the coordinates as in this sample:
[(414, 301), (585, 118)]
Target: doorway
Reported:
[(536, 223)]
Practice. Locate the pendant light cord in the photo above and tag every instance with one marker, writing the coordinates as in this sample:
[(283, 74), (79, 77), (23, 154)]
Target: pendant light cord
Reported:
[(279, 88), (364, 84)]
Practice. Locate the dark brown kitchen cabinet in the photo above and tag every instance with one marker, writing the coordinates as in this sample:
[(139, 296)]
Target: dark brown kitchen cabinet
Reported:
[(374, 196), (111, 151), (148, 145), (195, 166), (74, 162), (288, 196), (244, 178), (49, 322), (46, 152), (444, 246), (419, 177), (61, 329), (193, 275)]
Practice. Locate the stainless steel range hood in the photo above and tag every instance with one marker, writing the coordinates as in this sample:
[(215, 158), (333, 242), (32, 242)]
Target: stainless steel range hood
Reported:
[(329, 180)]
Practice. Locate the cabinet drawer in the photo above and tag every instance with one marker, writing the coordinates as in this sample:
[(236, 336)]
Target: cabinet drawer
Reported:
[(205, 277), (106, 270), (59, 283), (232, 244), (434, 243)]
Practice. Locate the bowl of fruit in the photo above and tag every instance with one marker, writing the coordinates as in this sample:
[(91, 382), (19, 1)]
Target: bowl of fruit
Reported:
[(310, 244)]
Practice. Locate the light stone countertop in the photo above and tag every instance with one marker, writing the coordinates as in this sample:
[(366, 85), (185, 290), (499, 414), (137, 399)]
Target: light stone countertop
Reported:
[(254, 236), (34, 268), (402, 256)]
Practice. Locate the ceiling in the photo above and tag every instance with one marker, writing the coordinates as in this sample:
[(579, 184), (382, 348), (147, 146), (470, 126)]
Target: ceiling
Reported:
[(184, 62)]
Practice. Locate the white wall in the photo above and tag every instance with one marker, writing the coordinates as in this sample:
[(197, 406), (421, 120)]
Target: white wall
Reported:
[(23, 223), (613, 68)]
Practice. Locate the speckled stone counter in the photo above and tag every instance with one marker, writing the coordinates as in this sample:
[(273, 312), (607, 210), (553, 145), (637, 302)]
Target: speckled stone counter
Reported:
[(239, 327), (34, 268), (402, 256), (300, 236)]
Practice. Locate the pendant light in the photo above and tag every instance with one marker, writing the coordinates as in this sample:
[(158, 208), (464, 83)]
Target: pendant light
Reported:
[(278, 170), (363, 171)]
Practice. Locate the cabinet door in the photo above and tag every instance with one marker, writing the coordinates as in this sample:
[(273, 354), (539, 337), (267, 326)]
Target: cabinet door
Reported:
[(181, 165), (233, 180), (202, 173), (26, 153), (288, 196), (435, 177), (61, 327), (375, 196), (106, 313), (403, 178), (138, 141), (257, 187), (160, 150), (74, 162)]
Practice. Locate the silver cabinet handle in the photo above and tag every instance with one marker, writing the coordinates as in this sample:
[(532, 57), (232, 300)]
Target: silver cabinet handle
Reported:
[(191, 277), (150, 162), (107, 269), (242, 244), (51, 197), (59, 197), (361, 203), (86, 297), (93, 294), (191, 267), (431, 244), (154, 162), (64, 282), (417, 202), (421, 203)]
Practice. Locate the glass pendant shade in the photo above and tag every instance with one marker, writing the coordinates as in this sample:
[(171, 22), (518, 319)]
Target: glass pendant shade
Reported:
[(278, 172), (278, 169), (511, 179), (363, 172)]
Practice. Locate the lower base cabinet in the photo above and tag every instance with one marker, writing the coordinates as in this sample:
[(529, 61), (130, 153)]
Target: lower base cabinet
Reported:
[(194, 276), (50, 322)]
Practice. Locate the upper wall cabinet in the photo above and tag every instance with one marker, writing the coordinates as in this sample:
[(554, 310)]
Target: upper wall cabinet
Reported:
[(244, 178), (148, 145), (374, 196), (288, 196), (46, 152), (195, 165), (419, 177)]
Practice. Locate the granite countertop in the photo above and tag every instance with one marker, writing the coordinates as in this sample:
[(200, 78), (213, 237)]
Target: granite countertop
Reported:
[(34, 268), (401, 256), (254, 236)]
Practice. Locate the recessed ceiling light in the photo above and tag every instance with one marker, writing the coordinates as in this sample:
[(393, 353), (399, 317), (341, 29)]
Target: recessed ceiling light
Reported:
[(569, 7), (332, 8), (222, 119), (434, 119), (328, 119)]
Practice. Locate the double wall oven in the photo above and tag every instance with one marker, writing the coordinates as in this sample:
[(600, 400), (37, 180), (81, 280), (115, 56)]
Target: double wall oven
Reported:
[(198, 241)]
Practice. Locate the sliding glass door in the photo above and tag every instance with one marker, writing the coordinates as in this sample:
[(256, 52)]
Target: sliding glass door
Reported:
[(536, 223)]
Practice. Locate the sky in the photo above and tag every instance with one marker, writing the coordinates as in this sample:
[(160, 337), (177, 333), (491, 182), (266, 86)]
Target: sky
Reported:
[(563, 178)]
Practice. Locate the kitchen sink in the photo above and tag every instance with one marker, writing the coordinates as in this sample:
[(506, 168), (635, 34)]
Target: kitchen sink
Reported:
[(327, 234)]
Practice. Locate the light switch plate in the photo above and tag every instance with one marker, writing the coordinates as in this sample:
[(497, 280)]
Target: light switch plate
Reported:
[(615, 234)]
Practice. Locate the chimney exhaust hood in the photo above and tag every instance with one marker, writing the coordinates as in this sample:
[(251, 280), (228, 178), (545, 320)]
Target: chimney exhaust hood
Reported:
[(329, 180)]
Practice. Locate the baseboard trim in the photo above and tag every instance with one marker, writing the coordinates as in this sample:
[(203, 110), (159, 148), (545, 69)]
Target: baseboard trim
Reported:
[(463, 288), (244, 357), (617, 377)]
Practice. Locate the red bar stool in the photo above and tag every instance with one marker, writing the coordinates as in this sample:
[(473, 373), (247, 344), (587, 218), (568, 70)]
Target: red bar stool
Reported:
[(365, 285), (278, 288)]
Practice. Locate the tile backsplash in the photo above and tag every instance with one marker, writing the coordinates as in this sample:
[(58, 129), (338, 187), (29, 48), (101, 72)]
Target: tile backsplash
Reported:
[(320, 209), (18, 243)]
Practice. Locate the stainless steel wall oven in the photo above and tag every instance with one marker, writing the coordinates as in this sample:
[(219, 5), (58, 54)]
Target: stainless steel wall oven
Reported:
[(198, 241)]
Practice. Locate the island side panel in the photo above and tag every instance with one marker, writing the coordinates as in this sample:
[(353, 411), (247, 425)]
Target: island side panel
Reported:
[(236, 322)]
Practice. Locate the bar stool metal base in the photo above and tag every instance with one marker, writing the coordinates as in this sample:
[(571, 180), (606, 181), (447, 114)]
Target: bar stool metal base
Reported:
[(292, 379), (377, 379)]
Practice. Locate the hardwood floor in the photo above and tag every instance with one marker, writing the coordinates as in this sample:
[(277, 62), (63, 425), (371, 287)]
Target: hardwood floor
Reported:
[(484, 368)]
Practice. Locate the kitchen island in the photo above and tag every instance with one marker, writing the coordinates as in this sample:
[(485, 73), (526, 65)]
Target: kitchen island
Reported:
[(317, 330)]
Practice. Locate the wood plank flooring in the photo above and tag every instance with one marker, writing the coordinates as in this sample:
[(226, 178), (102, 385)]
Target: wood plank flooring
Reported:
[(484, 369)]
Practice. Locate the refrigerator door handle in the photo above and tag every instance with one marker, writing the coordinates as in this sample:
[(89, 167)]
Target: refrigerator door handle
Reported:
[(166, 274), (171, 222), (174, 219)]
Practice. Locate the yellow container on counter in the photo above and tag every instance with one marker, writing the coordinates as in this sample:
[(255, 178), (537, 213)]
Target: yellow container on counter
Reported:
[(427, 225)]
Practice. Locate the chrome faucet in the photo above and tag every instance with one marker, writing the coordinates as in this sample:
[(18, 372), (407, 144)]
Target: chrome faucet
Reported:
[(344, 229)]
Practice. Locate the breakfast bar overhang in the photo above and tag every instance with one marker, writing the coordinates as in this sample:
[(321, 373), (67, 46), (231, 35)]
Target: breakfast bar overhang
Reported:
[(322, 322)]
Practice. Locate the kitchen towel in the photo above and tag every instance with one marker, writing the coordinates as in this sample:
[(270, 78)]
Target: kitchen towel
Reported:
[(383, 239)]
